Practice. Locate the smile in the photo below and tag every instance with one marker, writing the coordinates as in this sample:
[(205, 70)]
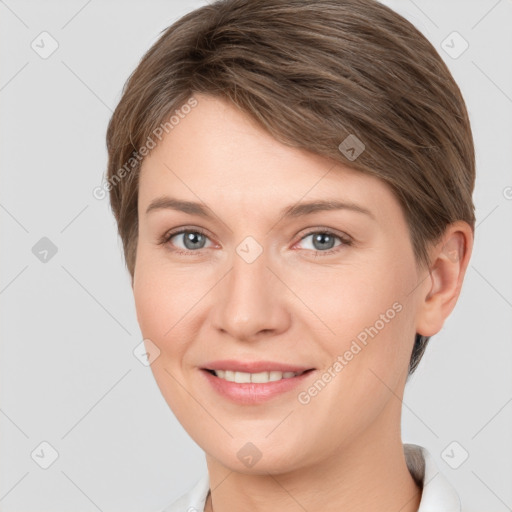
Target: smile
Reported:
[(256, 378), (254, 388)]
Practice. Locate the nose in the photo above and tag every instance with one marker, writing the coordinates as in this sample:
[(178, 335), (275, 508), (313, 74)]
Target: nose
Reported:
[(250, 301)]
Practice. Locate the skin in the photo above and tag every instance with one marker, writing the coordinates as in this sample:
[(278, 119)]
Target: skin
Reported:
[(343, 449)]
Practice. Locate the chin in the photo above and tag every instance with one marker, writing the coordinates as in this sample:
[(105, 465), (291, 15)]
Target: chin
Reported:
[(257, 458)]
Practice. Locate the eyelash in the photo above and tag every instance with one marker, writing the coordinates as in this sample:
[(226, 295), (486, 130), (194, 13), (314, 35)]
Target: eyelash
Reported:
[(346, 241)]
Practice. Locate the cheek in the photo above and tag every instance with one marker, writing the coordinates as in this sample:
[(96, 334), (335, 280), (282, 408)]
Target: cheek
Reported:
[(168, 305), (157, 301), (351, 298), (154, 312), (162, 310), (368, 312)]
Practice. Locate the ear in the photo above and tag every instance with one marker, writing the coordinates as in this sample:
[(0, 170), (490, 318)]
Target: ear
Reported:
[(438, 294)]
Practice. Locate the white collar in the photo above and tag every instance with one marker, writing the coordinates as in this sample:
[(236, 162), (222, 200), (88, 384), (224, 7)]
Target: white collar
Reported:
[(438, 494)]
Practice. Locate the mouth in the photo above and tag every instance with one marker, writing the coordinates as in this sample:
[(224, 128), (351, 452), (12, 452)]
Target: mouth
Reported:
[(256, 387), (255, 378)]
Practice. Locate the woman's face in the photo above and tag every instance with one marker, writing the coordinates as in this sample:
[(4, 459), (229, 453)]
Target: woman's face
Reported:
[(259, 277)]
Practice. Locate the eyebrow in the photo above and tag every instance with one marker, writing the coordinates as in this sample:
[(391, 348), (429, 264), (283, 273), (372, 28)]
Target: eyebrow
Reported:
[(296, 210)]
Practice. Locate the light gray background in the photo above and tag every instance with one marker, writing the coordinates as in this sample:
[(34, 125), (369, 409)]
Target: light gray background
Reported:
[(68, 374)]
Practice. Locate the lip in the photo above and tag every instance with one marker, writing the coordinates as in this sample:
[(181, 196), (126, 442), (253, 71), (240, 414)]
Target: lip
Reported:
[(254, 366), (251, 393)]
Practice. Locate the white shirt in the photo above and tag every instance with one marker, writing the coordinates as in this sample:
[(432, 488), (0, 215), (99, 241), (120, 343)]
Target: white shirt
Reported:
[(438, 495)]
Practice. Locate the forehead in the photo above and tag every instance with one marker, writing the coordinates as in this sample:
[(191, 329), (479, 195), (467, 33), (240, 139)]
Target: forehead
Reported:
[(217, 151)]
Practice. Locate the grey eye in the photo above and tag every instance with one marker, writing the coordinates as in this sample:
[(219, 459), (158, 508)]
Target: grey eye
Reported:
[(322, 240), (191, 240)]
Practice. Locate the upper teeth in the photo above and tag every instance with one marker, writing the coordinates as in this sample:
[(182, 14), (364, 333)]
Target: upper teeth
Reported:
[(260, 378)]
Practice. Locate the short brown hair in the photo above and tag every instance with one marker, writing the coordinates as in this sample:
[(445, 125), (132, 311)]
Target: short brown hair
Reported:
[(311, 73)]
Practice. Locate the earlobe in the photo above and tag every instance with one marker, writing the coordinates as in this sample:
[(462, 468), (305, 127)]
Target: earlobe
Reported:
[(449, 261)]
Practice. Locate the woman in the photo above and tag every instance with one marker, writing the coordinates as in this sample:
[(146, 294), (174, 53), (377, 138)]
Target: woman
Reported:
[(251, 134)]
